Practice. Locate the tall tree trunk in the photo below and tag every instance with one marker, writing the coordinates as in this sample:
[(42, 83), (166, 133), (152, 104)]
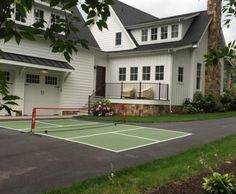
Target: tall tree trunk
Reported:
[(213, 73)]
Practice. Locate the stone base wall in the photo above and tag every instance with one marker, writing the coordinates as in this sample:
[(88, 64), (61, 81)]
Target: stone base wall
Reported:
[(146, 110)]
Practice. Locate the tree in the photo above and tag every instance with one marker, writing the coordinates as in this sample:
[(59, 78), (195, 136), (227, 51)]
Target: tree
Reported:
[(229, 51), (6, 98), (97, 12)]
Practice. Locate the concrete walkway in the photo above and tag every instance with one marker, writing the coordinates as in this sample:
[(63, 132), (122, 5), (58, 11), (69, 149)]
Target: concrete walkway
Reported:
[(31, 164)]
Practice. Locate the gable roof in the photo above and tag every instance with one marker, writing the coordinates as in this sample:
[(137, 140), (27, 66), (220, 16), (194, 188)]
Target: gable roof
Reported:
[(193, 35), (129, 15), (84, 33)]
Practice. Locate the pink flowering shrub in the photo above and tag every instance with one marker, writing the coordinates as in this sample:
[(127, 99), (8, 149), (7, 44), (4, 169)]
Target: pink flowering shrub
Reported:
[(102, 108)]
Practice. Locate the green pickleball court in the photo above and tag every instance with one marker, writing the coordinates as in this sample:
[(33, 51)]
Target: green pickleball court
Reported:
[(105, 136)]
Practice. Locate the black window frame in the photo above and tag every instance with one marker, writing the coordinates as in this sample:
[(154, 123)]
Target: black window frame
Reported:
[(38, 14), (32, 78), (180, 74), (144, 35), (118, 38), (174, 33), (18, 16), (122, 73), (199, 76), (164, 32), (160, 72), (134, 74), (154, 33), (146, 74), (51, 80), (55, 19)]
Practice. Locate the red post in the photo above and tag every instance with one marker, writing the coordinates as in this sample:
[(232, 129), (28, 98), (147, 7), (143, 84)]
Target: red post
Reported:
[(123, 113), (33, 120)]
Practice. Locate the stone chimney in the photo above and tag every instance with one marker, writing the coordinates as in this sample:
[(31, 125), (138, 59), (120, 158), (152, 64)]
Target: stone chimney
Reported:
[(213, 73)]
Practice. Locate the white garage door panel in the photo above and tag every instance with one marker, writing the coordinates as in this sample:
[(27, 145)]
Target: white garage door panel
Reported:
[(41, 95)]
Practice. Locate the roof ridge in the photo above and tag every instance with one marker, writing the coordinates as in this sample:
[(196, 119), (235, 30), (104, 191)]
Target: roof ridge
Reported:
[(135, 8)]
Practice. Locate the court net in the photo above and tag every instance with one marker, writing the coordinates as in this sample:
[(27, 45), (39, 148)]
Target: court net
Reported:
[(36, 110)]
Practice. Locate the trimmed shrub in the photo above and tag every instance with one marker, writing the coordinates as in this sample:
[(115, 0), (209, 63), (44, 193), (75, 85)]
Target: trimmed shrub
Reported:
[(103, 108), (191, 109)]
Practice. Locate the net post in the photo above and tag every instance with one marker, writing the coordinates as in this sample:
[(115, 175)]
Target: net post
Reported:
[(33, 120), (123, 113)]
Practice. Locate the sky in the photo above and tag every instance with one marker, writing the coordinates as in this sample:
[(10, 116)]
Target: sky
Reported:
[(165, 8)]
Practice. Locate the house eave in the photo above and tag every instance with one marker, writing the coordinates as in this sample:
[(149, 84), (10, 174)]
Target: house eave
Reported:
[(28, 65), (161, 22)]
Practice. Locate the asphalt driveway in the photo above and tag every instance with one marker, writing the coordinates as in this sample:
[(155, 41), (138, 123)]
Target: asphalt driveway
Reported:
[(31, 164)]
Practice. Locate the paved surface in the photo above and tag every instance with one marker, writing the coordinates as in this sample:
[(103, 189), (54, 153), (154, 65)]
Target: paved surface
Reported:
[(31, 164)]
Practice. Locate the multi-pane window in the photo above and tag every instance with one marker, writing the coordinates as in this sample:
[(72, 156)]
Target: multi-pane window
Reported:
[(144, 35), (6, 75), (146, 73), (122, 74), (118, 38), (180, 74), (33, 79), (18, 16), (154, 34), (164, 32), (199, 73), (175, 31), (51, 80), (160, 72), (38, 15), (133, 73), (55, 19)]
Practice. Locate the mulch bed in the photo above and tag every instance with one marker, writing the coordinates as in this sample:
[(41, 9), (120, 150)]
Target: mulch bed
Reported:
[(193, 185)]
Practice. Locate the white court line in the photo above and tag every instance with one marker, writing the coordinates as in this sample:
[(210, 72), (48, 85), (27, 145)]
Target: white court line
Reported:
[(105, 133), (60, 138), (14, 129), (137, 137), (145, 145), (47, 123)]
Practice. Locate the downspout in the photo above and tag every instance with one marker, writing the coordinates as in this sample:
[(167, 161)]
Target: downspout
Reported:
[(171, 78)]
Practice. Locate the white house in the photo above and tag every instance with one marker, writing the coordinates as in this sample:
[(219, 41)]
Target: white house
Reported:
[(141, 61)]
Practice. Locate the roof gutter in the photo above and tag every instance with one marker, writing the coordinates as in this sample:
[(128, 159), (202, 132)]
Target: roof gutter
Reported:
[(161, 22)]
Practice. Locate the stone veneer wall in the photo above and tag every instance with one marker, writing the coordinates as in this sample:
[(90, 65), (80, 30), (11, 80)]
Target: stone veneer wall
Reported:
[(146, 110)]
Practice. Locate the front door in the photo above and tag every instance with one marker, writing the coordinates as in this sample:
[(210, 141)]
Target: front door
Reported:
[(101, 81)]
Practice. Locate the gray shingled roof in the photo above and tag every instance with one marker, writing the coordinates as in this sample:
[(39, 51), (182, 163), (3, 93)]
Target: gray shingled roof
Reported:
[(35, 60), (84, 33), (129, 15), (193, 35)]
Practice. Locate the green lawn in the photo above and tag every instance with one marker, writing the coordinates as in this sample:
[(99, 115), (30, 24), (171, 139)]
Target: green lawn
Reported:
[(157, 173), (165, 118)]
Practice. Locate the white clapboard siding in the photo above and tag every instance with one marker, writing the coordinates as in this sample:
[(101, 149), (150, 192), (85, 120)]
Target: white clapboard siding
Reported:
[(138, 61), (181, 91), (106, 38), (79, 85)]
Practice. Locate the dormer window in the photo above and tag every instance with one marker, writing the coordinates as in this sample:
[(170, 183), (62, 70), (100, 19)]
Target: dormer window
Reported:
[(144, 35), (38, 15), (164, 32), (154, 34), (175, 31), (55, 19), (18, 16), (118, 38)]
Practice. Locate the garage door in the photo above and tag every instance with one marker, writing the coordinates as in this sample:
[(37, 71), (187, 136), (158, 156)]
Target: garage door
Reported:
[(41, 91)]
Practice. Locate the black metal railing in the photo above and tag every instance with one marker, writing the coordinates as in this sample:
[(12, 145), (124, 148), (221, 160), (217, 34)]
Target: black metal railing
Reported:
[(141, 90)]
